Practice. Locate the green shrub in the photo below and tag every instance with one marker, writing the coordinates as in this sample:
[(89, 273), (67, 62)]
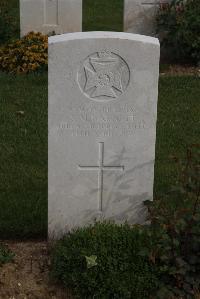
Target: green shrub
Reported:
[(178, 24), (176, 226), (28, 54), (105, 261), (6, 255)]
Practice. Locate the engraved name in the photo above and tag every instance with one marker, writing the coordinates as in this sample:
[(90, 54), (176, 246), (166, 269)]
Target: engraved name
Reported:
[(102, 121)]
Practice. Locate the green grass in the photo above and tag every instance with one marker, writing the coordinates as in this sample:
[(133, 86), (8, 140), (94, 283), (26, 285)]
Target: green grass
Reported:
[(12, 10), (23, 146), (23, 156), (178, 126), (100, 15)]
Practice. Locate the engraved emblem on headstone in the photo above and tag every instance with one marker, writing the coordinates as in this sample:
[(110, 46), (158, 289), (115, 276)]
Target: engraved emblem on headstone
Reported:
[(103, 76), (101, 168)]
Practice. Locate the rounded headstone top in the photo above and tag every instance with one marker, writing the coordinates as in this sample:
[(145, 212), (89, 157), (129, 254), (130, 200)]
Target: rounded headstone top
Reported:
[(103, 35)]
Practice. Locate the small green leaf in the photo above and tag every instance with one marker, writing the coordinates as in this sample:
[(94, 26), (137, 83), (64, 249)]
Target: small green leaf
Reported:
[(91, 261)]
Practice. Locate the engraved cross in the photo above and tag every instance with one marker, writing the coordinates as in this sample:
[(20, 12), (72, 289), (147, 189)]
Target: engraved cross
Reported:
[(101, 168)]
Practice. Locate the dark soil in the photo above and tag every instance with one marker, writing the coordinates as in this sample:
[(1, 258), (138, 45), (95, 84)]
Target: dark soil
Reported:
[(27, 277)]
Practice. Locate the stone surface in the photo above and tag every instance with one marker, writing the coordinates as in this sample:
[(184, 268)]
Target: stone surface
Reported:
[(103, 89), (140, 16), (47, 16)]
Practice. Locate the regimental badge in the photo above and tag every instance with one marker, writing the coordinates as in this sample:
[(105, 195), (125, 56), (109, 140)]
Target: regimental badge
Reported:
[(103, 76)]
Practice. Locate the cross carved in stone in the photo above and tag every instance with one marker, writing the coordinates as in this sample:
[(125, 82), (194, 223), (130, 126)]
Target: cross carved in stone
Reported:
[(101, 168)]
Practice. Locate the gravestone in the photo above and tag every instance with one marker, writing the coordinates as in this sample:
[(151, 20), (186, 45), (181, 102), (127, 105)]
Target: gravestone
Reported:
[(48, 16), (103, 89), (140, 16)]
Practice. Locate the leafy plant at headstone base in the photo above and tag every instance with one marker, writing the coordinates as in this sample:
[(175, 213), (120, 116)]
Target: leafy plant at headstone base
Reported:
[(102, 261), (6, 255), (26, 55), (178, 26), (176, 226), (7, 23)]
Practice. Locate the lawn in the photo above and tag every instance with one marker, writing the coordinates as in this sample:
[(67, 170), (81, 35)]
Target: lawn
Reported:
[(23, 130), (97, 15), (178, 126), (10, 8), (23, 156)]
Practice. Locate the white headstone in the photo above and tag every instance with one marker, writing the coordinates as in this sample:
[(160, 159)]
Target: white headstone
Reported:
[(47, 16), (103, 89), (140, 16)]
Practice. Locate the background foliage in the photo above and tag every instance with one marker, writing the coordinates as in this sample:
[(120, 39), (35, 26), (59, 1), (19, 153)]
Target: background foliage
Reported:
[(175, 225), (178, 24)]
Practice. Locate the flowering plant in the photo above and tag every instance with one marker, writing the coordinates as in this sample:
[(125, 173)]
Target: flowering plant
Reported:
[(26, 55)]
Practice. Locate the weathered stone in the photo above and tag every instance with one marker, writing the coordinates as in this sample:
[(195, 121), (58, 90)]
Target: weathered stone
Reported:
[(140, 16), (103, 89), (48, 16)]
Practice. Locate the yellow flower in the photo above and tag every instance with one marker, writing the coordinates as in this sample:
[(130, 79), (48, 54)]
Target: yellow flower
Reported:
[(26, 54)]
